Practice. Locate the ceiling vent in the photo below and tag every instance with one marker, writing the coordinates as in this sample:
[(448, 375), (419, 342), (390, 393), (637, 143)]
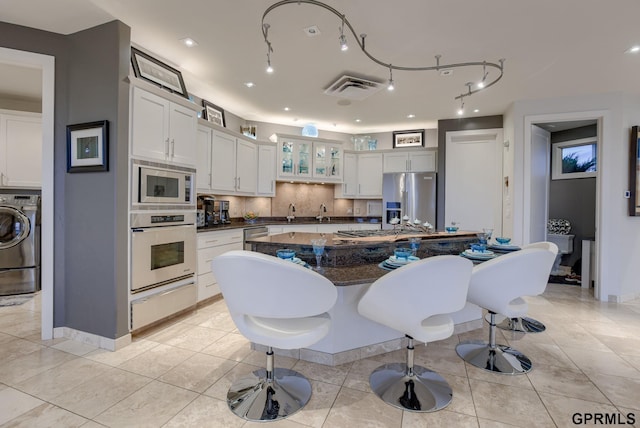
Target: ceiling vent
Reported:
[(353, 88)]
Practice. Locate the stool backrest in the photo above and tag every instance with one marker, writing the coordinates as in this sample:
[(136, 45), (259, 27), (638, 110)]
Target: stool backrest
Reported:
[(545, 245), (505, 278), (405, 297), (260, 285)]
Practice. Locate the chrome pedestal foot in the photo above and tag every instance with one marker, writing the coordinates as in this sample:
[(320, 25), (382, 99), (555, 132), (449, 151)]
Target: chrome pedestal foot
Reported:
[(522, 325), (424, 391), (500, 359), (256, 398)]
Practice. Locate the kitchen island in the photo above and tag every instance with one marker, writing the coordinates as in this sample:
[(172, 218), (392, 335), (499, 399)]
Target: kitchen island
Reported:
[(352, 264)]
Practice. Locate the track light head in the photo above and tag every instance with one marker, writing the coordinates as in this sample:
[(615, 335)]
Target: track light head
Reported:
[(391, 86)]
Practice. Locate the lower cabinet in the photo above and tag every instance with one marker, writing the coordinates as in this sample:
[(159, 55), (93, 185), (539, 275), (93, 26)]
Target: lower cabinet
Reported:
[(210, 245)]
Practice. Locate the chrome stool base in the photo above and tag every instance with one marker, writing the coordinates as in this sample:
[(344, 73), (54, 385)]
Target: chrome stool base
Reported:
[(425, 391), (500, 359), (255, 398), (522, 325), (519, 325)]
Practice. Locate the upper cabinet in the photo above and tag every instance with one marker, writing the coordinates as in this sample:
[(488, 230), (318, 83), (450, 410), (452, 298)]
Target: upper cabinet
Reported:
[(266, 170), (309, 159), (410, 161), (20, 149), (162, 130), (226, 163), (362, 176)]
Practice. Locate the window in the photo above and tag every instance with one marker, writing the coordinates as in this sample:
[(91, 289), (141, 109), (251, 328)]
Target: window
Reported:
[(574, 159)]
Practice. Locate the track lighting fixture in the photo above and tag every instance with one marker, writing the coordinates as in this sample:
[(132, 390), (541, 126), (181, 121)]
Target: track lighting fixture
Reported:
[(461, 109), (484, 84), (342, 38)]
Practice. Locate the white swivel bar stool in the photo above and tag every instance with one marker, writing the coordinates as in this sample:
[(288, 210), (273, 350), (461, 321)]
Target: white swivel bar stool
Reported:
[(275, 303), (416, 300), (498, 285), (527, 324)]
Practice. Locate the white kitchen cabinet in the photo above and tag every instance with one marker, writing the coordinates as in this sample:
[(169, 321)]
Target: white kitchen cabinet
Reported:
[(266, 170), (349, 186), (410, 161), (161, 129), (362, 176), (294, 159), (203, 159), (327, 161), (230, 166), (20, 149), (210, 245), (309, 159), (369, 175)]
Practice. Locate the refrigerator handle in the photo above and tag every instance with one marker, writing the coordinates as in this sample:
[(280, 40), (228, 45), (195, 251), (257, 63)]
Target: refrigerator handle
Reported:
[(405, 201)]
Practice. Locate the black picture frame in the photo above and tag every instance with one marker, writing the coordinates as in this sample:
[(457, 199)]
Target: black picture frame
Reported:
[(213, 113), (634, 172), (413, 138), (88, 147), (148, 68)]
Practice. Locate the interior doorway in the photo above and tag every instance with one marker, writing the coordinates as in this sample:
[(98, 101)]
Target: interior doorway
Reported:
[(46, 64), (563, 192)]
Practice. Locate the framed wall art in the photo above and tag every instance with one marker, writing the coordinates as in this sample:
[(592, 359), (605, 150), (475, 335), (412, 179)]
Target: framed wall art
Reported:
[(213, 113), (88, 147), (402, 139), (148, 68)]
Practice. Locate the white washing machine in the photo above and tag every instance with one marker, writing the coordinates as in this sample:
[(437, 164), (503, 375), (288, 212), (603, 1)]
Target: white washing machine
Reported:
[(19, 244)]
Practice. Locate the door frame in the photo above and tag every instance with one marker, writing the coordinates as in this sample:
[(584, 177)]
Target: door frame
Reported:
[(47, 64), (600, 116)]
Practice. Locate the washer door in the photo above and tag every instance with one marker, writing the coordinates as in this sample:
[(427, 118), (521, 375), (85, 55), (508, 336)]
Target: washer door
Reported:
[(14, 227)]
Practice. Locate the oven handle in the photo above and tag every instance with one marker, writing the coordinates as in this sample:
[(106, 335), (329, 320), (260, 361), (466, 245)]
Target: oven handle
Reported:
[(155, 228)]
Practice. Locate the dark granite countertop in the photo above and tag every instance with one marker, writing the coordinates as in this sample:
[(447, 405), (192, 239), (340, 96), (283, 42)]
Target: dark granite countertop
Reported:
[(352, 261), (239, 223)]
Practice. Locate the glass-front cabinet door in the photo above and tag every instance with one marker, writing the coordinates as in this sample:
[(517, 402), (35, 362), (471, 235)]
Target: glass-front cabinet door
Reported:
[(295, 159), (327, 160)]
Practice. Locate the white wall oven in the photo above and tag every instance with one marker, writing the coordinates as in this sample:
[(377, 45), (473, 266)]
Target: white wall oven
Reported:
[(163, 248), (157, 186)]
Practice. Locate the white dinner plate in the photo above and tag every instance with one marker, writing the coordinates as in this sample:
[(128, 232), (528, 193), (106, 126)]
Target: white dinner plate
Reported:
[(505, 247)]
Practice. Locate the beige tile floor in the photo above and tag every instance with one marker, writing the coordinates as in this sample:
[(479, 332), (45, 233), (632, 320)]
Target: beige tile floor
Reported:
[(587, 361)]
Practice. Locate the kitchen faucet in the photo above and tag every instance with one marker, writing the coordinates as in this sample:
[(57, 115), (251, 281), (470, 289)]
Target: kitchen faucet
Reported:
[(290, 215), (320, 216)]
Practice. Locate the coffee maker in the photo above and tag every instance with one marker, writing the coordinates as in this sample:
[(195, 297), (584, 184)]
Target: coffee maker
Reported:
[(221, 208), (208, 208)]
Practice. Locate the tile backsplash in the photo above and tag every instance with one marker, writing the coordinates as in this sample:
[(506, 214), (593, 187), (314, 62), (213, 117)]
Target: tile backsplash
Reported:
[(307, 199)]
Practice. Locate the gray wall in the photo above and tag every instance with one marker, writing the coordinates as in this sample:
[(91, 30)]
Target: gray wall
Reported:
[(574, 199), (90, 233), (450, 125)]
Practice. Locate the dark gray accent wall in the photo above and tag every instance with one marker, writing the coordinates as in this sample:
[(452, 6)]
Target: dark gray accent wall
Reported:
[(449, 125), (574, 199), (90, 209)]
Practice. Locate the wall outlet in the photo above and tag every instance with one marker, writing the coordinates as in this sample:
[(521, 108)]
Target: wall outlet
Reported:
[(627, 194)]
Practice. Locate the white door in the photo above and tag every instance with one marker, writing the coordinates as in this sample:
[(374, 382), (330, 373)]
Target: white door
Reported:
[(370, 175), (540, 164), (223, 162), (473, 181)]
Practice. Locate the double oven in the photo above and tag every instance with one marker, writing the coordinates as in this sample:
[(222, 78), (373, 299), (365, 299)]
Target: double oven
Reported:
[(162, 241)]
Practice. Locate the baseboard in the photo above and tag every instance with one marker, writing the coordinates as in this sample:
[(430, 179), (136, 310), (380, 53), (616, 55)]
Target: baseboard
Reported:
[(92, 339)]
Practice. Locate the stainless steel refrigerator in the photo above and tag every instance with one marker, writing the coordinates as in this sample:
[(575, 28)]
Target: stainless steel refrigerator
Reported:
[(411, 194)]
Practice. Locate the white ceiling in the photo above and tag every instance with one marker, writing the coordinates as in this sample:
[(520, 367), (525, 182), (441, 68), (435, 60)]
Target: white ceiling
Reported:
[(552, 48)]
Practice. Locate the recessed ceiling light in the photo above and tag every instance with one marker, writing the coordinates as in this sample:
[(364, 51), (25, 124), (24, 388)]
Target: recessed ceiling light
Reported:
[(411, 116), (358, 120), (476, 110), (189, 42), (312, 31), (249, 84), (287, 109), (633, 49)]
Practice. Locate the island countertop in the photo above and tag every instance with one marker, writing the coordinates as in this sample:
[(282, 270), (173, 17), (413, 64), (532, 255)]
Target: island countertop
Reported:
[(351, 260)]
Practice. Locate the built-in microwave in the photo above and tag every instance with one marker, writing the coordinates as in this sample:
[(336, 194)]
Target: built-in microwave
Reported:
[(161, 186)]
